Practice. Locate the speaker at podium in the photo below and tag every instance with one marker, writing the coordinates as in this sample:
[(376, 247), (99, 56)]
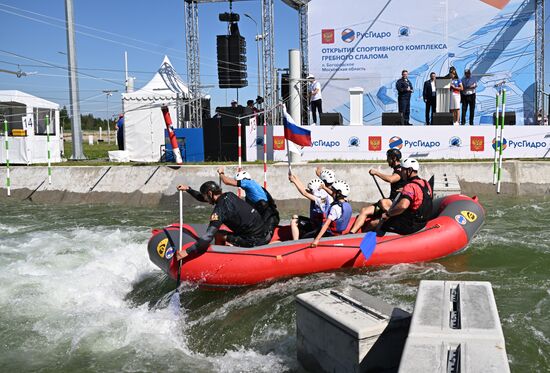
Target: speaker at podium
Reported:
[(392, 119), (442, 119), (331, 119), (509, 118)]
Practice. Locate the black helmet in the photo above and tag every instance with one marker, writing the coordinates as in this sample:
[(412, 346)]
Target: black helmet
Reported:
[(210, 186), (394, 153)]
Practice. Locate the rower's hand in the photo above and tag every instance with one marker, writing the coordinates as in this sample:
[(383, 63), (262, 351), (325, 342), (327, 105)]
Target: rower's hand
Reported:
[(181, 254), (372, 171), (384, 216), (183, 187), (220, 170), (314, 243), (292, 178), (318, 171)]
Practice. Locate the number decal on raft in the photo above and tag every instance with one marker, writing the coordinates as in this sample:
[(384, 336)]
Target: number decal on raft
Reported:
[(470, 216), (460, 219)]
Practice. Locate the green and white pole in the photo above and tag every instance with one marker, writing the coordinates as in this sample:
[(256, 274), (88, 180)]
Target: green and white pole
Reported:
[(49, 149), (495, 161), (501, 140), (8, 181)]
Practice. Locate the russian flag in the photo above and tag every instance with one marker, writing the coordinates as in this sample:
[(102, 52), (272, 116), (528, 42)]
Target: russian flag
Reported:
[(294, 133)]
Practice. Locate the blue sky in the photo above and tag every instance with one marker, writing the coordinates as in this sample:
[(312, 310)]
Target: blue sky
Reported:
[(34, 30)]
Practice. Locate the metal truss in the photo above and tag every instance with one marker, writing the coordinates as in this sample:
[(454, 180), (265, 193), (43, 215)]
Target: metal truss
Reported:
[(539, 57), (270, 74), (193, 61)]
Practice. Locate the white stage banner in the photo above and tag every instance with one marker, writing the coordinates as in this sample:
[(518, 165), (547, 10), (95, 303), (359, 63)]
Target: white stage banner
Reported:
[(358, 43), (434, 142)]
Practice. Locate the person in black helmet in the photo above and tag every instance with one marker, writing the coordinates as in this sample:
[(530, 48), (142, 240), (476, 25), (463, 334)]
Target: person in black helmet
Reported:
[(375, 210), (246, 224)]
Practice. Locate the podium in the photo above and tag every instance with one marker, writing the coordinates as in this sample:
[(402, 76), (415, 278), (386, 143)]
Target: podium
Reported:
[(442, 94)]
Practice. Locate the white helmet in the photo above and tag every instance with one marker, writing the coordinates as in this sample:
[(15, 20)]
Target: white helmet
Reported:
[(410, 163), (328, 176), (314, 184), (242, 175), (342, 187)]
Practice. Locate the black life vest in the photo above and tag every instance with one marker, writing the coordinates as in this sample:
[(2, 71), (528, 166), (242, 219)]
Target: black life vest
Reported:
[(417, 219)]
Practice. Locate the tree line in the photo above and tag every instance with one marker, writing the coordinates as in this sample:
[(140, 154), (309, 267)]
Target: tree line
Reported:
[(88, 121)]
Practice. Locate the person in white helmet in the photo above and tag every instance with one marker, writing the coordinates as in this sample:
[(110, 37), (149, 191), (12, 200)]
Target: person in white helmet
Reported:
[(257, 196), (414, 207), (328, 177), (319, 205), (339, 214)]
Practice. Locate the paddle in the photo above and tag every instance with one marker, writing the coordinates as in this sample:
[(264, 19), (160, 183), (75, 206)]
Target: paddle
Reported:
[(431, 182), (368, 243), (378, 185), (175, 303)]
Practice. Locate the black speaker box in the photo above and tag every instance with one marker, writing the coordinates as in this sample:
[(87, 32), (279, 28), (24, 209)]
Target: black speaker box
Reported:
[(220, 137), (392, 119), (509, 118), (442, 119), (331, 119)]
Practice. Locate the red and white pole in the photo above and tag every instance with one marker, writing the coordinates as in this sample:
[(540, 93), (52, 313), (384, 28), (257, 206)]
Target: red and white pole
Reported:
[(172, 135), (265, 154)]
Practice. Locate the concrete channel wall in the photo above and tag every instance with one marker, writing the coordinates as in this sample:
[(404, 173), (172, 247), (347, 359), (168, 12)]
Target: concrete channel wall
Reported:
[(156, 185)]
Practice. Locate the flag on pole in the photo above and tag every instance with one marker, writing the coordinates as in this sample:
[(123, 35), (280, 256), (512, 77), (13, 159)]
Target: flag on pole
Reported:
[(295, 133)]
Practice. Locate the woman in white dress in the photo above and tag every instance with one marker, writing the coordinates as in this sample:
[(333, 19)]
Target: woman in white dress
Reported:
[(456, 88)]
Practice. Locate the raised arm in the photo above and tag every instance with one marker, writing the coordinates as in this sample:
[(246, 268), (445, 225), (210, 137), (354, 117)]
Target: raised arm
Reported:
[(226, 180), (301, 188), (194, 193)]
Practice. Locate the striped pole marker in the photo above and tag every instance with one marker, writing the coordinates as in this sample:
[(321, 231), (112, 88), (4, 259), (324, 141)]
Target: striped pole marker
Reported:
[(495, 160), (501, 140), (265, 154), (239, 168), (49, 149), (8, 180)]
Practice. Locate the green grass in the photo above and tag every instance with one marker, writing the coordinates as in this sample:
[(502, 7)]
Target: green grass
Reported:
[(97, 152)]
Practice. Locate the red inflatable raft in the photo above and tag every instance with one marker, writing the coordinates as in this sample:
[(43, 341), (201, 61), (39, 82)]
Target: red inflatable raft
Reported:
[(456, 219)]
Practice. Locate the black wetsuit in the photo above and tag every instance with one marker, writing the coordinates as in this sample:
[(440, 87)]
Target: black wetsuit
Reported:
[(397, 185), (247, 226)]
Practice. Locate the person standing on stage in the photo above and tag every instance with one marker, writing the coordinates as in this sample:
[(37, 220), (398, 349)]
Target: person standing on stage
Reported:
[(404, 91), (315, 97), (428, 93), (456, 88), (468, 96)]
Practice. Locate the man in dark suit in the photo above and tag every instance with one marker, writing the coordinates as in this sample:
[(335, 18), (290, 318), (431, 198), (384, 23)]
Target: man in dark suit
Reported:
[(428, 94), (404, 91)]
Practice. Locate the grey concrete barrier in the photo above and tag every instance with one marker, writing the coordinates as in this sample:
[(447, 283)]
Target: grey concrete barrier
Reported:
[(154, 185)]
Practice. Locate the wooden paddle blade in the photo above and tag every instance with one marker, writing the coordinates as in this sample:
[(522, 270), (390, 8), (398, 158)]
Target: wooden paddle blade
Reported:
[(368, 244)]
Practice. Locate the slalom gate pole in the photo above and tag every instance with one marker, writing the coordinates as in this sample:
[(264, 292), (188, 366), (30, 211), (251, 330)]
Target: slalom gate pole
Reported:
[(8, 180), (495, 158), (49, 149), (265, 154), (171, 134), (239, 144), (501, 140)]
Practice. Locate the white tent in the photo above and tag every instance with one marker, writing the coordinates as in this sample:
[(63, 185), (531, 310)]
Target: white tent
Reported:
[(143, 121), (26, 116)]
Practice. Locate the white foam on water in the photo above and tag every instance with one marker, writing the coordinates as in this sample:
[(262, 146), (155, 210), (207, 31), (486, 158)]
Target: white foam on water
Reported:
[(71, 286)]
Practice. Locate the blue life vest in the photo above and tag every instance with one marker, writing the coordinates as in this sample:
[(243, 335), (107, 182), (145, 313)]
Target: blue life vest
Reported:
[(338, 226), (254, 192)]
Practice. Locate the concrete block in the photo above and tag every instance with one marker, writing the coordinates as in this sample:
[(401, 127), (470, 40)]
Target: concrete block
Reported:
[(455, 327), (347, 330)]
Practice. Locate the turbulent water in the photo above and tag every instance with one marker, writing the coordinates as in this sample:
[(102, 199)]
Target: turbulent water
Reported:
[(78, 293)]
